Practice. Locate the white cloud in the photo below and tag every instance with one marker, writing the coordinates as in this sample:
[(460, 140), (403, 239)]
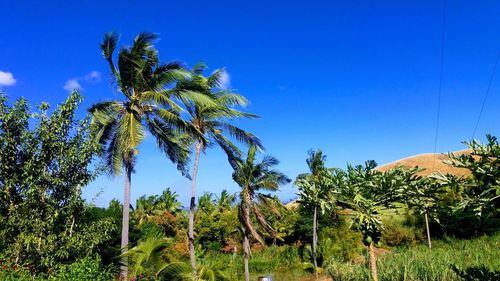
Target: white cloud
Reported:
[(74, 84), (225, 80), (7, 79), (93, 77), (71, 85)]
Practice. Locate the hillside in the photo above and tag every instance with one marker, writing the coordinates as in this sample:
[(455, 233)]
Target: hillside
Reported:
[(430, 162)]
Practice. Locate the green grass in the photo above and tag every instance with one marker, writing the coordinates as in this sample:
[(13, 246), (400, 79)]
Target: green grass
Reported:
[(283, 263), (424, 264), (417, 263)]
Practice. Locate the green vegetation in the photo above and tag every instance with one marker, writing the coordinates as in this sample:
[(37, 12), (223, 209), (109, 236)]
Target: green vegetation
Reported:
[(357, 223), (422, 263), (314, 193), (209, 122), (120, 126), (253, 178)]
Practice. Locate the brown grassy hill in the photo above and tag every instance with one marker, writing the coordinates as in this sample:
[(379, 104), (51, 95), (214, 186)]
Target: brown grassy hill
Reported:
[(430, 162)]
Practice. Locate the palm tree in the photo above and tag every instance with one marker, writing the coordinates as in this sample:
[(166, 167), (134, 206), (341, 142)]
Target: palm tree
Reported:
[(225, 200), (315, 192), (148, 256), (253, 178), (147, 207), (148, 105), (168, 201), (211, 126), (207, 271), (207, 203)]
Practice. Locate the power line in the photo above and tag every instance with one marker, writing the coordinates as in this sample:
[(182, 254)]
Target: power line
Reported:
[(440, 89), (487, 93)]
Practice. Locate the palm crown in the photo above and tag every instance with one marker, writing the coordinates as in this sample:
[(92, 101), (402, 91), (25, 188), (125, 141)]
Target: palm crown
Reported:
[(148, 105), (210, 120)]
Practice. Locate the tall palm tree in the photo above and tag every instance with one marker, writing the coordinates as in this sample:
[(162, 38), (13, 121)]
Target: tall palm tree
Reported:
[(211, 127), (148, 105), (253, 178), (314, 192)]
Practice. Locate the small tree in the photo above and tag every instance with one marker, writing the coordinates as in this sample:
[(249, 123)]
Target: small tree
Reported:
[(476, 198), (45, 161), (367, 192), (423, 195)]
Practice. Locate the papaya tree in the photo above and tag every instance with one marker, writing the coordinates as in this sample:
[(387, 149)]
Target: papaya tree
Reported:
[(484, 164), (314, 193), (469, 205), (422, 194), (368, 192)]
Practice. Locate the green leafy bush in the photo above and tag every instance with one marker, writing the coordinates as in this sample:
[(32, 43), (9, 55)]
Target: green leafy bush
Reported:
[(85, 269), (341, 243), (477, 273), (397, 234)]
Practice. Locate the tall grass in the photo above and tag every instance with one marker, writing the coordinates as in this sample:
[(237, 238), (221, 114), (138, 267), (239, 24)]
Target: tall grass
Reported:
[(413, 263), (283, 263), (424, 264)]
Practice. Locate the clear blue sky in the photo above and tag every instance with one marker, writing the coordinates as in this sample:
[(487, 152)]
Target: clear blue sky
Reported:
[(358, 79)]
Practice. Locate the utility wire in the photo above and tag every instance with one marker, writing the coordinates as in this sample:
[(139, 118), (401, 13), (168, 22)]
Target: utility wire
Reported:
[(440, 89), (486, 95)]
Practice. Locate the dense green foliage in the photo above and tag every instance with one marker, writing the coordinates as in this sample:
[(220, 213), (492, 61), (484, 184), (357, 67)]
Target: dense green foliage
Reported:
[(45, 161), (355, 223)]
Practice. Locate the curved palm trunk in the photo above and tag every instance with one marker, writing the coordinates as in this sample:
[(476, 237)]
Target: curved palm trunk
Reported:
[(246, 253), (246, 219), (373, 262), (428, 230), (125, 222), (315, 241), (192, 207)]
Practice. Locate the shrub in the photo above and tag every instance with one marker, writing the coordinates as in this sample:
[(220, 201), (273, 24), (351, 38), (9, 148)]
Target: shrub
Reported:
[(477, 273), (340, 243), (396, 234), (85, 269)]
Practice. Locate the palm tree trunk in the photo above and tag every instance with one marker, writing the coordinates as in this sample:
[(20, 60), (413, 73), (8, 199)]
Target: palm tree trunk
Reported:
[(373, 262), (192, 208), (246, 220), (246, 248), (125, 222), (315, 241), (428, 229)]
